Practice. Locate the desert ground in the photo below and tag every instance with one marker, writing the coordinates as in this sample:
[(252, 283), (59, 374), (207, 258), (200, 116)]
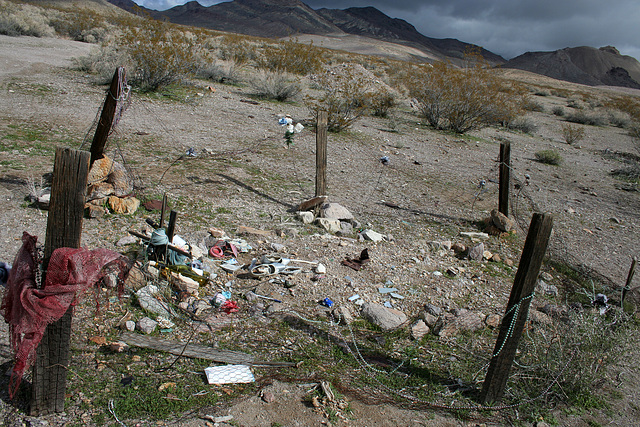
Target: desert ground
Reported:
[(243, 175)]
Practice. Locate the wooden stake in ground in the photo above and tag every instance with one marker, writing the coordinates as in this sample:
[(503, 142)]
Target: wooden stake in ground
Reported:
[(517, 310), (321, 154), (64, 229), (106, 118), (505, 180), (627, 286)]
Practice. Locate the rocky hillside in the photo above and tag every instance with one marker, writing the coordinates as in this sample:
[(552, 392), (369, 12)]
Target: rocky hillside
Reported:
[(584, 65), (284, 18)]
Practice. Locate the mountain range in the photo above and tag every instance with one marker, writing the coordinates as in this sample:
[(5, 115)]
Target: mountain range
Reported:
[(356, 26)]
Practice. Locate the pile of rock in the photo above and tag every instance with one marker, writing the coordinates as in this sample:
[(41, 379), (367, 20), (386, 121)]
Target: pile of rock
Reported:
[(110, 185), (335, 219)]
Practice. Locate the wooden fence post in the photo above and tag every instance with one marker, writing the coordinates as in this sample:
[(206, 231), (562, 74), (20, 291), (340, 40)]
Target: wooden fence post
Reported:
[(106, 118), (321, 154), (64, 230), (517, 310), (627, 286), (505, 180)]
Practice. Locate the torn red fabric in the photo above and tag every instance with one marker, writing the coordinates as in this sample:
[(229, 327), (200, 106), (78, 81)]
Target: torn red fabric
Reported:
[(29, 310)]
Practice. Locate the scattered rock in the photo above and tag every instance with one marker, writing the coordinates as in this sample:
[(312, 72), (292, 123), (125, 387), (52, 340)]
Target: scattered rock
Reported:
[(243, 230), (450, 325), (268, 397), (385, 318), (329, 224), (124, 205), (130, 325), (540, 318), (146, 325), (368, 234), (546, 289), (476, 253), (459, 248), (335, 211), (94, 211), (419, 329), (493, 320), (184, 283), (127, 240), (501, 221), (343, 314), (432, 310), (305, 216), (474, 235), (495, 258), (148, 301), (346, 229), (429, 319)]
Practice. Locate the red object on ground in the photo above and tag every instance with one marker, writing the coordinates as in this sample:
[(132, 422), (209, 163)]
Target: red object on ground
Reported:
[(29, 310), (229, 307)]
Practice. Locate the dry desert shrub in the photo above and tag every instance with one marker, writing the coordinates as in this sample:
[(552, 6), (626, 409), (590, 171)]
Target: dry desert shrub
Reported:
[(275, 85), (346, 93), (292, 57), (24, 20), (236, 48), (571, 133), (462, 99)]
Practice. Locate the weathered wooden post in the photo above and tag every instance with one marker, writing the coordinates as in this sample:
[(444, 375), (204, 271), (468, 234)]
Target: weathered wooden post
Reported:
[(627, 286), (505, 180), (64, 229), (517, 310), (171, 228), (321, 154), (163, 210), (108, 112)]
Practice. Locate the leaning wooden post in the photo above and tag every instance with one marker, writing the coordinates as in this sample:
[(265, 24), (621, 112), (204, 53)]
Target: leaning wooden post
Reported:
[(517, 310), (627, 286), (108, 112), (505, 169), (64, 229), (321, 154), (171, 228)]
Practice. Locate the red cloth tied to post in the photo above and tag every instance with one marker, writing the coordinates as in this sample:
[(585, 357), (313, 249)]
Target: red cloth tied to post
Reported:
[(29, 310)]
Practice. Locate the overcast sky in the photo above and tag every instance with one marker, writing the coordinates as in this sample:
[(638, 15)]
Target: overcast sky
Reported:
[(506, 27)]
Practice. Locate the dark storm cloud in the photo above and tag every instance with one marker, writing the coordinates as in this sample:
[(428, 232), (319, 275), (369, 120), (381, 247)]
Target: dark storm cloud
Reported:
[(506, 27)]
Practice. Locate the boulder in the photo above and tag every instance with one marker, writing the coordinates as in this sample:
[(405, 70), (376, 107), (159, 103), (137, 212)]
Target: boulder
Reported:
[(385, 318), (450, 325), (305, 216), (336, 211), (374, 236), (329, 224), (501, 221), (419, 329), (476, 253), (146, 325)]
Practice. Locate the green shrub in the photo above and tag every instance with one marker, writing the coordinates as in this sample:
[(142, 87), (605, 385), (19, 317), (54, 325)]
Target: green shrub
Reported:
[(558, 110), (572, 134), (345, 95), (82, 25), (549, 157), (226, 73), (291, 57), (277, 86)]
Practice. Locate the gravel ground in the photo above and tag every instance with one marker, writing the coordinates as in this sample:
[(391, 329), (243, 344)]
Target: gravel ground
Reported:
[(244, 176)]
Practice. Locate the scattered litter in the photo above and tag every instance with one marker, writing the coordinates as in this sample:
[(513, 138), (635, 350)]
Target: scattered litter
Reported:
[(267, 298), (357, 263), (388, 304), (396, 295), (384, 160), (327, 302), (354, 297), (229, 374), (387, 290), (229, 307)]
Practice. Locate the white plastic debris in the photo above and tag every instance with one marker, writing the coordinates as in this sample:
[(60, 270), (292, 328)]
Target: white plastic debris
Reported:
[(229, 374)]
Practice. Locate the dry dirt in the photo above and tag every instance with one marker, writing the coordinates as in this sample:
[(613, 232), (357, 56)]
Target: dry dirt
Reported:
[(247, 177)]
